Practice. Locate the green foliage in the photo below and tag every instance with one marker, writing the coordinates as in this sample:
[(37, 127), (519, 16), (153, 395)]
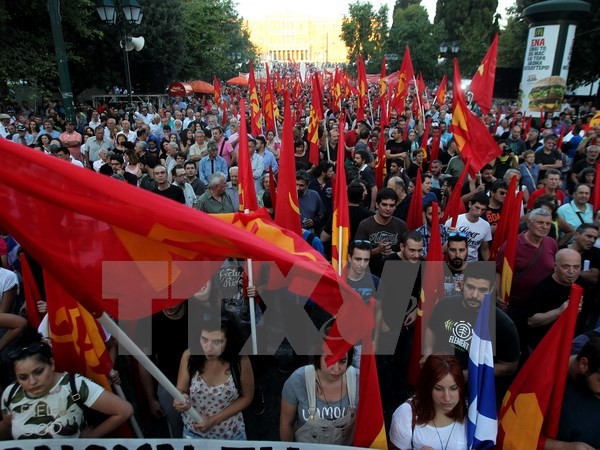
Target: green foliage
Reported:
[(402, 4), (213, 31), (364, 32), (411, 27), (471, 22)]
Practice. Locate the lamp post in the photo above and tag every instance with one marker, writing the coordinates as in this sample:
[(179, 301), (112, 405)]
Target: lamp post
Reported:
[(449, 49), (130, 13)]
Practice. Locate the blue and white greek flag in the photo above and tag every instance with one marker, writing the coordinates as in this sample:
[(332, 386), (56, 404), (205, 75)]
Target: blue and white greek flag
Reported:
[(482, 425)]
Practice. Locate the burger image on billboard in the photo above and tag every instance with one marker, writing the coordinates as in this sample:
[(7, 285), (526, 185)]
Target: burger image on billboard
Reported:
[(547, 94)]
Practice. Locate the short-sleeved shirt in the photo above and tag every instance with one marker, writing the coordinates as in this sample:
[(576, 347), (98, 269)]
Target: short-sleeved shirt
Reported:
[(372, 231), (294, 392), (54, 416), (574, 216), (546, 296), (210, 205), (173, 192), (578, 408), (541, 157), (453, 326), (560, 196), (477, 233)]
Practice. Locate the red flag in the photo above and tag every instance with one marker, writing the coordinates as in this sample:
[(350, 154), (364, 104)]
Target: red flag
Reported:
[(455, 206), (435, 146), (440, 95), (341, 213), (316, 115), (595, 200), (407, 73), (248, 199), (510, 250), (336, 95), (421, 83), (287, 213), (268, 100), (561, 136), (217, 87), (369, 428), (31, 291), (432, 290), (272, 187), (531, 408), (415, 211), (383, 78), (255, 117), (363, 89), (77, 339), (476, 144), (506, 214), (425, 137), (482, 85)]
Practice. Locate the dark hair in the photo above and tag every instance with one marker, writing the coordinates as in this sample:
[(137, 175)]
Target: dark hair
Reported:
[(581, 175), (30, 344), (591, 352), (435, 368), (587, 226), (479, 272), (499, 184), (552, 172), (364, 155), (481, 198), (355, 192), (412, 235), (316, 360), (360, 245), (322, 168), (149, 160), (487, 167), (174, 169), (115, 157), (579, 185), (386, 194), (232, 346), (302, 175)]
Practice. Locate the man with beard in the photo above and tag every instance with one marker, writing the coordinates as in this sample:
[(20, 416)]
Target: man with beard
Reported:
[(451, 325), (457, 248)]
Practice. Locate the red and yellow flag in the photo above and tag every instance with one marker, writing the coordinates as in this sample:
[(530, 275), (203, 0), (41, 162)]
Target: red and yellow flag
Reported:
[(255, 116), (369, 428), (217, 92), (477, 146), (510, 250), (506, 215), (77, 339), (336, 94), (455, 205), (380, 167), (407, 73), (440, 94), (316, 115), (425, 138), (363, 88), (341, 215), (383, 77), (268, 103), (482, 85), (414, 218), (287, 213), (531, 408), (432, 290), (248, 199)]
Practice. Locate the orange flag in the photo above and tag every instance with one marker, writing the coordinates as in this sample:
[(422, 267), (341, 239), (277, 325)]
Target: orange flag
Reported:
[(255, 116), (407, 73), (316, 115), (217, 87), (440, 95), (287, 213), (477, 146), (369, 428), (248, 199), (482, 85), (268, 101), (415, 211), (363, 89), (432, 290), (341, 213), (531, 408), (77, 338), (31, 291)]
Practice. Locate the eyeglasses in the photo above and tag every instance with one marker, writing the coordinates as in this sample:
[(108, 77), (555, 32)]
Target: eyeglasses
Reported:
[(31, 349), (457, 234)]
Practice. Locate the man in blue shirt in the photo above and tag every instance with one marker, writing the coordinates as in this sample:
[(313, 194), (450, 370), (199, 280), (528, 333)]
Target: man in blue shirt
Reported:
[(211, 163)]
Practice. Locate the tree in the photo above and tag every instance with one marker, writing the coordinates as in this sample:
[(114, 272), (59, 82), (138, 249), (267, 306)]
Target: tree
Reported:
[(213, 31), (403, 4), (473, 23), (411, 27), (364, 32)]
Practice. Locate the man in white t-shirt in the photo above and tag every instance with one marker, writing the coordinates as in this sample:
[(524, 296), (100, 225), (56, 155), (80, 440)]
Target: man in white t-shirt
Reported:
[(477, 230)]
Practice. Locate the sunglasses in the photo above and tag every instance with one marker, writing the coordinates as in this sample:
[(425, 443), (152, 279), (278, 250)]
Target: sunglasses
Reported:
[(457, 234), (31, 349), (361, 242)]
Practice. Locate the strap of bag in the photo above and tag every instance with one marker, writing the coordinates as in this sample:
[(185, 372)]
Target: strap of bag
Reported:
[(311, 379), (75, 393), (531, 263), (577, 213), (12, 393)]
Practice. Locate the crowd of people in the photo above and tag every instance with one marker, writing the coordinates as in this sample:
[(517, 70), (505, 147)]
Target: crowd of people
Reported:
[(188, 152)]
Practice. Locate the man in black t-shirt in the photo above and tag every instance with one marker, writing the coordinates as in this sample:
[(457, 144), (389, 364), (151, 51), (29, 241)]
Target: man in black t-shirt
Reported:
[(166, 189)]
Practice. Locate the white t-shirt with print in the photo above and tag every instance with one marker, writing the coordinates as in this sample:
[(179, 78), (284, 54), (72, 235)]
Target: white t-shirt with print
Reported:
[(477, 233)]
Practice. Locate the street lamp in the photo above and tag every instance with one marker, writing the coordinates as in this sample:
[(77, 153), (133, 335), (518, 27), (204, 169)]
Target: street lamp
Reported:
[(449, 49), (130, 13)]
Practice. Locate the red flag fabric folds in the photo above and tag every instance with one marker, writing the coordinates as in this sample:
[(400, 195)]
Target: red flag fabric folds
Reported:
[(482, 85), (341, 213), (255, 116), (247, 193)]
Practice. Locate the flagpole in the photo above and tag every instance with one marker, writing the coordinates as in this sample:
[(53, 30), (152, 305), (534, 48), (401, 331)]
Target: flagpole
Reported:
[(370, 108), (251, 302), (143, 359), (418, 96), (132, 420), (340, 251)]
